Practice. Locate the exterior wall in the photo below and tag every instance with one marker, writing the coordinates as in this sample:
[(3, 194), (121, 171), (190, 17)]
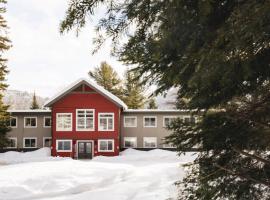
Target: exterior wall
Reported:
[(85, 100), (39, 132), (140, 131)]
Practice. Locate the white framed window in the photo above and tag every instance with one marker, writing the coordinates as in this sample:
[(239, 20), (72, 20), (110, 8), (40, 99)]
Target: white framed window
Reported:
[(106, 145), (189, 119), (150, 142), (30, 122), (47, 142), (85, 119), (64, 145), (47, 122), (130, 142), (29, 142), (13, 122), (63, 121), (106, 121), (130, 121), (168, 120), (149, 121), (168, 146), (12, 143)]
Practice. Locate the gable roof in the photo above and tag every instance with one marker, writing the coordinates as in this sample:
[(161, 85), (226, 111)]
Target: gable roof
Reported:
[(91, 84)]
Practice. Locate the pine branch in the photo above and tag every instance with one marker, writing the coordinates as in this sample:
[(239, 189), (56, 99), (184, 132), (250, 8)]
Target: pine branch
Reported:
[(254, 156), (243, 176)]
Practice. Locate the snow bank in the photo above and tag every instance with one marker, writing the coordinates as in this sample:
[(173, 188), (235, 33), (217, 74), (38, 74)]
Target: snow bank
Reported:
[(136, 175), (13, 157)]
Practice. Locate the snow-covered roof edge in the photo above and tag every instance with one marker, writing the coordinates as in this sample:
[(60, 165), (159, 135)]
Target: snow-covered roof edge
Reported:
[(93, 85), (30, 111), (156, 110)]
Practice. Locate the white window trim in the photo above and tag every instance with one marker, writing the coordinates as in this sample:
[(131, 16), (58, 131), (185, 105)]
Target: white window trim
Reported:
[(63, 130), (16, 142), (71, 146), (130, 147), (25, 138), (101, 113), (171, 117), (91, 129), (126, 117), (44, 138), (16, 122), (144, 138), (29, 126), (149, 117), (44, 118), (106, 150)]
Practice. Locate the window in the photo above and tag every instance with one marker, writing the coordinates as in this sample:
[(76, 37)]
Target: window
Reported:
[(30, 142), (130, 142), (189, 119), (168, 120), (150, 121), (30, 122), (47, 142), (47, 122), (106, 145), (106, 121), (12, 142), (85, 120), (64, 122), (168, 146), (149, 142), (130, 121), (13, 122), (64, 145)]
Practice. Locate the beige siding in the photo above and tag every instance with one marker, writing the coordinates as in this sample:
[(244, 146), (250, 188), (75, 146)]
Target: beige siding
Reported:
[(140, 131), (39, 132)]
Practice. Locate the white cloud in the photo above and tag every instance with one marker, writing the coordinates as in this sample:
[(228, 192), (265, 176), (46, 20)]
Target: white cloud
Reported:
[(43, 60)]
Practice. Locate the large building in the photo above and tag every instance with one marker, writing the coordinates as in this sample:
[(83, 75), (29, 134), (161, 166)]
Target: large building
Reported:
[(85, 120)]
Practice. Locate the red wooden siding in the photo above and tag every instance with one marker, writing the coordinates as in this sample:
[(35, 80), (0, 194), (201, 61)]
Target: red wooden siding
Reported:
[(85, 100)]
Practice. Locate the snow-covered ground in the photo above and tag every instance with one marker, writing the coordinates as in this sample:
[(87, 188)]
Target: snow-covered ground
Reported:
[(132, 175)]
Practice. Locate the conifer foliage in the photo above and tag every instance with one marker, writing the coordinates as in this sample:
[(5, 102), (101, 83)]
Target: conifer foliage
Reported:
[(5, 44), (152, 104), (34, 104), (129, 90), (218, 54), (134, 91), (108, 78)]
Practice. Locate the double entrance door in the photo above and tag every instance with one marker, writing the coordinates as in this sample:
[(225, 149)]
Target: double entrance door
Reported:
[(85, 150)]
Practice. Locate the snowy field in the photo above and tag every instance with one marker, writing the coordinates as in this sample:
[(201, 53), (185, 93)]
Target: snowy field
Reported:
[(132, 175)]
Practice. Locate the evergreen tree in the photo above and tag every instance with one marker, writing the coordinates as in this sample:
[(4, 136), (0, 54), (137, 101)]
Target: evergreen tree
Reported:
[(152, 104), (105, 76), (134, 97), (4, 46), (34, 104), (218, 54)]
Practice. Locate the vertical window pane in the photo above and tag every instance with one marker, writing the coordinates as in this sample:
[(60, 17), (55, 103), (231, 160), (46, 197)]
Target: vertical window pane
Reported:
[(103, 145), (110, 145), (13, 122)]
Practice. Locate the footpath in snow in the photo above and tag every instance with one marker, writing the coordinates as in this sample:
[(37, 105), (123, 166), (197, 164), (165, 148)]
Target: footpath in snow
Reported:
[(134, 175)]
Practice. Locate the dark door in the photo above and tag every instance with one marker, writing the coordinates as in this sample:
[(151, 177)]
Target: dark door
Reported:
[(85, 150)]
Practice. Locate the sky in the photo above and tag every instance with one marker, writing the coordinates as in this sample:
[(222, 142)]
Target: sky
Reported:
[(43, 60)]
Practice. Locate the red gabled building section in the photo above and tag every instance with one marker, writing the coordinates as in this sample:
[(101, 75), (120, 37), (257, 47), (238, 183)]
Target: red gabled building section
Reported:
[(85, 94)]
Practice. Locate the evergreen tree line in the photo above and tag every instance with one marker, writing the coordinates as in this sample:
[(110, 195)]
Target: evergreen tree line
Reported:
[(5, 45), (218, 54), (130, 90)]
